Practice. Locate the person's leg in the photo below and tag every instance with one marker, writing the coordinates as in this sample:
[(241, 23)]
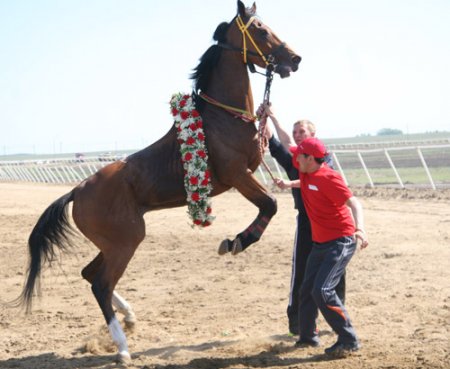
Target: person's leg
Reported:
[(337, 255), (292, 308), (302, 248), (340, 288), (308, 311)]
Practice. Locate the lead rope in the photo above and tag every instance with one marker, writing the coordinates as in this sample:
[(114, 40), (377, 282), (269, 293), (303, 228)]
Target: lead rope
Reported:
[(262, 140)]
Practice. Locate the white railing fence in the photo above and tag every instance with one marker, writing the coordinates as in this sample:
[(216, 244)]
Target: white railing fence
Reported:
[(394, 166), (413, 166)]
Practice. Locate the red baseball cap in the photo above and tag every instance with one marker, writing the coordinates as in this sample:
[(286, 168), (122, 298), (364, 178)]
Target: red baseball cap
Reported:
[(310, 146)]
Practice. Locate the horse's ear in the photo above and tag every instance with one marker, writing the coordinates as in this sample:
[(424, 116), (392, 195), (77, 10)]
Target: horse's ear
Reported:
[(221, 32), (241, 8), (253, 9)]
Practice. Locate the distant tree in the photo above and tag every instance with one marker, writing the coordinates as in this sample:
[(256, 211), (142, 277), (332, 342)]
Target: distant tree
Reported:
[(389, 132)]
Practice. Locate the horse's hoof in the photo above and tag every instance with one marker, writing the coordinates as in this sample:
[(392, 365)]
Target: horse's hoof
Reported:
[(123, 357), (225, 247), (129, 324), (130, 320), (237, 247)]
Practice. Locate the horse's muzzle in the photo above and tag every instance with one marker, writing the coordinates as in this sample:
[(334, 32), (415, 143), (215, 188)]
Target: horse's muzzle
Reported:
[(284, 70)]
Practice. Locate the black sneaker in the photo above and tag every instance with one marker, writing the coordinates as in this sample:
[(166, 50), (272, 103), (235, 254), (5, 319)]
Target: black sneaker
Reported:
[(340, 350), (307, 342)]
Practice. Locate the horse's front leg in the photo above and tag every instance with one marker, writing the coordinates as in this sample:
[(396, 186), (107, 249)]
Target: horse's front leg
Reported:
[(252, 190)]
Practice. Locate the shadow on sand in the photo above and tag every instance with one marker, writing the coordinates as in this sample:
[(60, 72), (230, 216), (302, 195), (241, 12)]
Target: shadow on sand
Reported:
[(263, 359)]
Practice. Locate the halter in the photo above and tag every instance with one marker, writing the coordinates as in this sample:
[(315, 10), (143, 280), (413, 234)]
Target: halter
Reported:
[(269, 76), (244, 30), (267, 59)]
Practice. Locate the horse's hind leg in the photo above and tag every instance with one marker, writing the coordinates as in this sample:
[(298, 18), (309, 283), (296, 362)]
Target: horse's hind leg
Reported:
[(105, 271), (248, 186), (110, 270), (118, 301)]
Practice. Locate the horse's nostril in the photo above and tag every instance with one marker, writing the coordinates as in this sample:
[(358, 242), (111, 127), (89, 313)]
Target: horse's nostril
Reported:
[(296, 59)]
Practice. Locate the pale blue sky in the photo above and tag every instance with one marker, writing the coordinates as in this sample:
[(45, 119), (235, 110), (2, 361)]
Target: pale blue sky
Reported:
[(83, 75)]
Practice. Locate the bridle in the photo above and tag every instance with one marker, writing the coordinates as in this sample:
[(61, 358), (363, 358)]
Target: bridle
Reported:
[(268, 59)]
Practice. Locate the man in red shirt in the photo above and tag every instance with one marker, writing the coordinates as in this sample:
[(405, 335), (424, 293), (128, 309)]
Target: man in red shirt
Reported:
[(337, 223)]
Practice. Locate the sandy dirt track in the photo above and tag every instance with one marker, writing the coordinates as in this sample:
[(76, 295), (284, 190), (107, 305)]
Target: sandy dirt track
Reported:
[(197, 310)]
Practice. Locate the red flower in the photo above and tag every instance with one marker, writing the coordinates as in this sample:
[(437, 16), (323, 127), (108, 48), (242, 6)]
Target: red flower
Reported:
[(186, 96), (195, 197), (190, 141), (195, 113), (201, 153), (197, 221), (180, 141), (205, 182), (206, 223), (208, 210), (188, 156), (199, 124), (174, 111), (182, 103), (193, 180), (201, 136), (207, 173), (193, 126)]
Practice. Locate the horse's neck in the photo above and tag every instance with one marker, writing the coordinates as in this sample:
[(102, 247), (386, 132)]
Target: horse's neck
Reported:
[(230, 83)]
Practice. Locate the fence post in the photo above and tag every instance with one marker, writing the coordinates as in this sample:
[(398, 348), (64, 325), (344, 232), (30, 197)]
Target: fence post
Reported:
[(394, 168), (42, 174), (262, 175), (280, 175), (365, 169), (422, 159), (41, 178), (339, 167)]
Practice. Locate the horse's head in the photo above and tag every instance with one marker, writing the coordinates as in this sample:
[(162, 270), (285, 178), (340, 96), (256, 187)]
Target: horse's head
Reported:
[(258, 43)]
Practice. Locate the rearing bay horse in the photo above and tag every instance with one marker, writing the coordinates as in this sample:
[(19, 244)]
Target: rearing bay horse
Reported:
[(108, 207)]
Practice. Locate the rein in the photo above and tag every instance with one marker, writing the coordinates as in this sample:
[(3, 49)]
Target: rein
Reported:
[(236, 112), (262, 141)]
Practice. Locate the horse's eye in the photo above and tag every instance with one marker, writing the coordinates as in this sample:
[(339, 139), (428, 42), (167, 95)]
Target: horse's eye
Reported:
[(264, 33)]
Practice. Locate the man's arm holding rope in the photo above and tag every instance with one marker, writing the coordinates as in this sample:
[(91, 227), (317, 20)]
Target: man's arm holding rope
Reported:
[(266, 111)]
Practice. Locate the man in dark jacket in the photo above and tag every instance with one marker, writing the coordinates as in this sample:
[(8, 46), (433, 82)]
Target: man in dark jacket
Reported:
[(280, 151)]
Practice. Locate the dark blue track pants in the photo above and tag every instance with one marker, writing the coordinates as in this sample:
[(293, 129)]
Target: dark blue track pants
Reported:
[(325, 266)]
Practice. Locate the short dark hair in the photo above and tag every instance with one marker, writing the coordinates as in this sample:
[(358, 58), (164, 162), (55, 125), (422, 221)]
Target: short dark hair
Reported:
[(319, 160)]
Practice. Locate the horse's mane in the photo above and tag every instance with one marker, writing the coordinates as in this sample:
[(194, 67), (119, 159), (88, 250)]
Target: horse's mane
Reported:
[(208, 61)]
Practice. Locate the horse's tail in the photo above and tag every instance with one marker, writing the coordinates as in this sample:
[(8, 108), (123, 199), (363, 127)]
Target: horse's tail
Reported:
[(52, 229)]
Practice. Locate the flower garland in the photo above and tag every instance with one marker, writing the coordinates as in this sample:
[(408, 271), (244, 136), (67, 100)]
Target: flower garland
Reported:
[(197, 177)]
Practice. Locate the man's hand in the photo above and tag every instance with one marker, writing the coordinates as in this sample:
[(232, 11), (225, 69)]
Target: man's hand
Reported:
[(261, 112), (281, 183), (361, 238)]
